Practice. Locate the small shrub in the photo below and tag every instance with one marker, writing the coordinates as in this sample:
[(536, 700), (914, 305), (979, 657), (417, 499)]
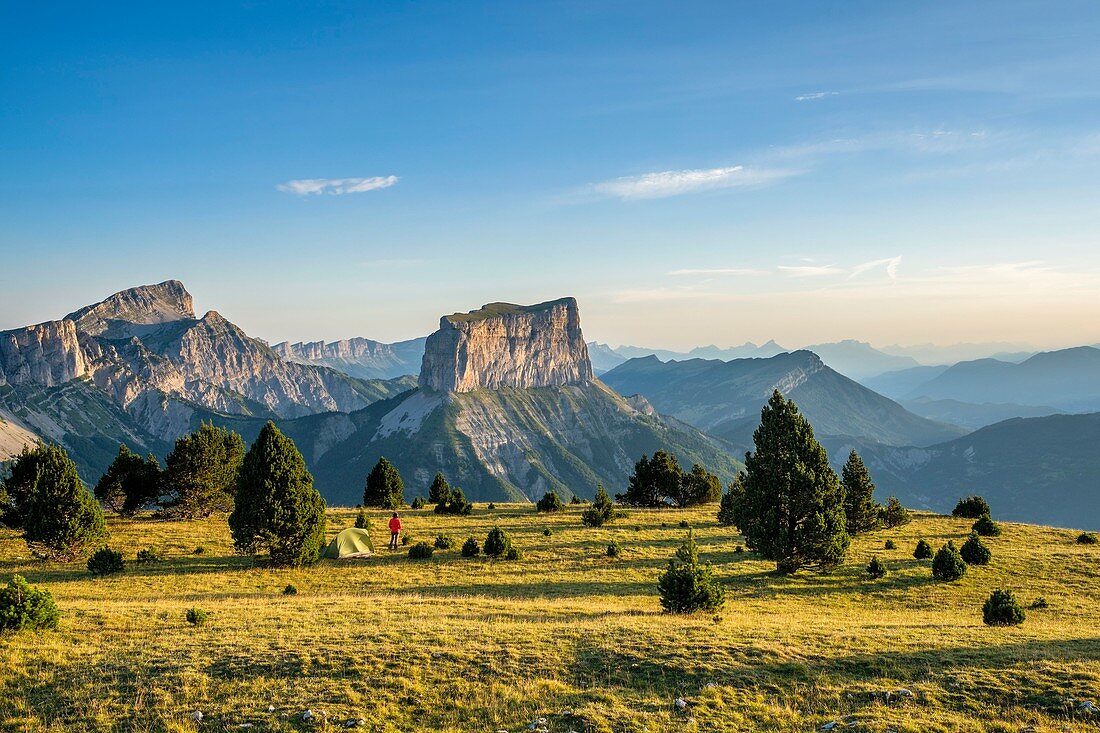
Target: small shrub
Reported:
[(105, 561), (687, 586), (973, 552), (684, 524), (290, 590), (738, 550), (497, 543), (1002, 609), (576, 500), (1087, 538), (891, 545), (361, 519), (471, 548), (948, 564), (614, 549), (876, 568), (418, 503), (971, 507), (550, 502), (986, 527), (1039, 602), (200, 550), (444, 542), (455, 503), (406, 538), (601, 512), (197, 616), (894, 514), (23, 606), (924, 550), (547, 532), (491, 506), (421, 551), (514, 553), (149, 555)]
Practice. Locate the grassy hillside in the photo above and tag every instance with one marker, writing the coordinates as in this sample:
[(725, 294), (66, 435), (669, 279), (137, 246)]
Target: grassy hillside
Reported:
[(452, 644)]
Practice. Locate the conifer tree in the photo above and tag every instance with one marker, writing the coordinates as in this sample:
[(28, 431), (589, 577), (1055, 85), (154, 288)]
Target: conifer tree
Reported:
[(601, 512), (15, 490), (727, 508), (277, 509), (861, 513), (384, 487), (698, 486), (200, 475), (129, 483), (792, 509), (654, 481), (439, 491), (688, 586), (62, 520)]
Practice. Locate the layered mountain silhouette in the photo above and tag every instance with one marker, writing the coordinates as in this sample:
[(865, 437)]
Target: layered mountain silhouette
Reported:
[(358, 357)]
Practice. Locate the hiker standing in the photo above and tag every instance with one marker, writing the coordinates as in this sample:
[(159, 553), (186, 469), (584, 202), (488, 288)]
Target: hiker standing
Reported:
[(395, 530)]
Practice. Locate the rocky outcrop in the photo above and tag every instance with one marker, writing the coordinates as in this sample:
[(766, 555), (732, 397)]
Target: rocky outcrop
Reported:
[(119, 315), (47, 354), (358, 357), (504, 345)]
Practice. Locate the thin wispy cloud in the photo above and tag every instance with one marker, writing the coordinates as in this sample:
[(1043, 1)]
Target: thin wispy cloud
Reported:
[(336, 186), (662, 184), (889, 263), (810, 270), (720, 271), (814, 96)]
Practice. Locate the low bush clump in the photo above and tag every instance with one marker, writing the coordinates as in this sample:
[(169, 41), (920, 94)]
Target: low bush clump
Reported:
[(23, 606), (601, 512), (200, 550), (197, 616), (924, 550), (455, 503), (361, 519), (497, 543), (105, 561), (876, 568), (471, 548), (971, 507), (948, 564), (614, 549), (684, 524), (986, 527), (418, 503), (406, 538), (891, 545), (550, 502), (738, 550), (576, 500), (149, 555), (1087, 538), (1002, 609), (547, 532), (688, 586), (1039, 602), (290, 590), (973, 552), (514, 553), (491, 506), (421, 551), (444, 542)]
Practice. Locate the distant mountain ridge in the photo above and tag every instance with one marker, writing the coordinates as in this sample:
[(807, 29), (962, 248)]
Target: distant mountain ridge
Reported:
[(358, 357)]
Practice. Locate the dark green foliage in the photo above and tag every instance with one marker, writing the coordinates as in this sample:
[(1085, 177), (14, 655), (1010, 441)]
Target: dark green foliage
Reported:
[(514, 553), (973, 552), (576, 500), (421, 551), (130, 483), (277, 509), (197, 616), (491, 506), (471, 548), (1087, 538), (727, 507), (444, 542), (384, 488), (792, 506), (891, 545), (684, 524), (550, 502), (1002, 609), (1039, 603), (200, 475), (362, 521), (105, 561), (439, 490), (60, 518), (894, 514), (149, 555), (986, 527), (687, 586), (923, 550), (948, 564), (406, 538), (971, 507), (200, 550), (861, 513), (15, 490), (497, 543), (418, 503), (876, 568), (738, 550), (614, 549), (290, 590), (601, 512), (659, 481), (23, 606), (547, 532), (455, 503)]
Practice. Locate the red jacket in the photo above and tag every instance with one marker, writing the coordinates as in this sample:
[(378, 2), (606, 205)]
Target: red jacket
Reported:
[(395, 525)]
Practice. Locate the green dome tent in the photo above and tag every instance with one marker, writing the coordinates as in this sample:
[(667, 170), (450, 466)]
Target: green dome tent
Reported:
[(350, 543)]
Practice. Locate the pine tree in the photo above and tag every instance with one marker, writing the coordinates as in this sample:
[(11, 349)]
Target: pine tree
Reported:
[(861, 513), (440, 490), (601, 512), (550, 502), (699, 486), (62, 519), (15, 490), (654, 481), (727, 509), (130, 483), (200, 475), (384, 487), (792, 510), (688, 586), (277, 509)]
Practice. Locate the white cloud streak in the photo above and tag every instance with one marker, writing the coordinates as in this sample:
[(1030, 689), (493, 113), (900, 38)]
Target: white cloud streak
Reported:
[(814, 96), (890, 263), (748, 271), (336, 186), (810, 270), (662, 184)]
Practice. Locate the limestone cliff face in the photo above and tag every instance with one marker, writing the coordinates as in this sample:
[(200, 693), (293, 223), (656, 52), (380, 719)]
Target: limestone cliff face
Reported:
[(504, 345), (47, 354), (118, 315), (358, 357)]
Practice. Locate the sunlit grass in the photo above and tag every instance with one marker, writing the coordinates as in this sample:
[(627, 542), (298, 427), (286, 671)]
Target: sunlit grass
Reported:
[(452, 644)]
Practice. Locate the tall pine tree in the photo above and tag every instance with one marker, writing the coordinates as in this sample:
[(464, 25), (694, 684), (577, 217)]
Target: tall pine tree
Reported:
[(792, 507), (61, 519), (15, 490), (277, 510), (200, 476), (861, 513), (439, 491), (384, 487), (129, 483)]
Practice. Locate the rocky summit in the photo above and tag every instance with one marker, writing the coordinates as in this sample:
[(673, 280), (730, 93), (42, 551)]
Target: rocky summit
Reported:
[(505, 345)]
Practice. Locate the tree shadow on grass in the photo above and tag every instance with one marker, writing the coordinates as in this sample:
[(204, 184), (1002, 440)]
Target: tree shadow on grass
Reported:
[(184, 565)]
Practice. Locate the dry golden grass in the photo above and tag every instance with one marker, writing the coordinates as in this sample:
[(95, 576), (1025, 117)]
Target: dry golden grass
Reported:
[(453, 644)]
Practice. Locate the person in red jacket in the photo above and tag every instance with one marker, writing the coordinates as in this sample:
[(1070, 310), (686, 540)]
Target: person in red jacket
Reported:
[(395, 530)]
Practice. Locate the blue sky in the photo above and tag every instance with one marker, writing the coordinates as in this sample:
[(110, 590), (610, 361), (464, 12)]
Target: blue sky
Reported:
[(693, 172)]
